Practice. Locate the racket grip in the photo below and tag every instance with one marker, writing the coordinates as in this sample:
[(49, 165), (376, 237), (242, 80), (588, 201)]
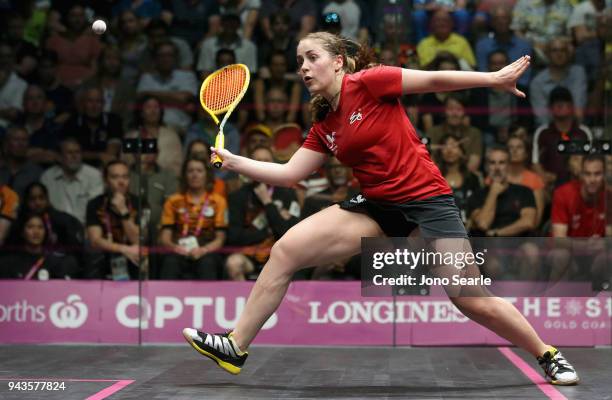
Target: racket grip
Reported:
[(219, 144)]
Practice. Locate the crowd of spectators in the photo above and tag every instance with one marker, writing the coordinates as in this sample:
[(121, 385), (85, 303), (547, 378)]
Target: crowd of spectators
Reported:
[(75, 203)]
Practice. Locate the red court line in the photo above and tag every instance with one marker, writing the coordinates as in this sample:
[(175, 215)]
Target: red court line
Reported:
[(102, 394), (549, 390)]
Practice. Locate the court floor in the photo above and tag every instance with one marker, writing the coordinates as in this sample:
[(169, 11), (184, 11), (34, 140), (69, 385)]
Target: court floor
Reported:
[(178, 372)]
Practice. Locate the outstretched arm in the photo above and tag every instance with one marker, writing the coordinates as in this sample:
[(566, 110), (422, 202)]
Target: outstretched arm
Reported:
[(415, 81), (303, 163)]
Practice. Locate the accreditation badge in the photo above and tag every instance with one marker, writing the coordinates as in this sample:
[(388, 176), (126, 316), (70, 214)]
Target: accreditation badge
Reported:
[(119, 268), (188, 243), (260, 222), (209, 212)]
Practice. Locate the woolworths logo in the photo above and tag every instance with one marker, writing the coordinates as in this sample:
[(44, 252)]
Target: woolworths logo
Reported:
[(70, 314)]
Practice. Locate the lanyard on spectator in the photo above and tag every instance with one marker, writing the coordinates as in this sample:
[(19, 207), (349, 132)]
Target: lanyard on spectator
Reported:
[(201, 217), (35, 268)]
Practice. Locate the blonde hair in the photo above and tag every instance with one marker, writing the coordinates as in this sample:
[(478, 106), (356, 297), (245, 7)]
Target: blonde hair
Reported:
[(355, 57)]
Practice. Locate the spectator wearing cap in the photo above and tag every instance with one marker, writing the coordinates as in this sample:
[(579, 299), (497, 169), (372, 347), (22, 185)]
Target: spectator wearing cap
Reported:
[(287, 140), (560, 72), (227, 38), (441, 38), (547, 160), (258, 135)]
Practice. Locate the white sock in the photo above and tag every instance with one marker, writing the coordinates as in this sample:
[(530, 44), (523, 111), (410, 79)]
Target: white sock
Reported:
[(236, 348)]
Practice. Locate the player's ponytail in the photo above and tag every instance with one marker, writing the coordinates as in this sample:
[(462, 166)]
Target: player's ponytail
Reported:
[(356, 57)]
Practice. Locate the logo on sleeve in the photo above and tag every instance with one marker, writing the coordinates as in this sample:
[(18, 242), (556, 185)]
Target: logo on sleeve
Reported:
[(331, 142), (355, 116)]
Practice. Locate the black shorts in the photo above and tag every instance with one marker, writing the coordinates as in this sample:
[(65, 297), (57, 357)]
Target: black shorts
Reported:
[(437, 217)]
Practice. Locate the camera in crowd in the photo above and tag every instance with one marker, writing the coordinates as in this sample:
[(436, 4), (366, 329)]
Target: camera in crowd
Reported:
[(584, 147)]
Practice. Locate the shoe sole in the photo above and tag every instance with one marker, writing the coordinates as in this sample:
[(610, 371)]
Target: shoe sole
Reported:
[(232, 369), (570, 383)]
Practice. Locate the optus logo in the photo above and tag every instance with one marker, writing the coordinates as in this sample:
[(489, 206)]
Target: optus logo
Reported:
[(71, 314)]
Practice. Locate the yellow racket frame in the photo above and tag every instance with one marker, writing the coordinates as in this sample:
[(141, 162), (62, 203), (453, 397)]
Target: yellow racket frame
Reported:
[(220, 139)]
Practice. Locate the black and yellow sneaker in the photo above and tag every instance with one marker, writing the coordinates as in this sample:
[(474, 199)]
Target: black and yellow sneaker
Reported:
[(557, 369), (218, 347)]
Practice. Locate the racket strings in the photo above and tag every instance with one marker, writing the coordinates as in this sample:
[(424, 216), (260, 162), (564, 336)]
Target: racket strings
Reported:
[(224, 89)]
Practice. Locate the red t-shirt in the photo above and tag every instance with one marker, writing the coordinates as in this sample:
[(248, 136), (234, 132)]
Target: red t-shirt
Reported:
[(582, 219), (371, 133)]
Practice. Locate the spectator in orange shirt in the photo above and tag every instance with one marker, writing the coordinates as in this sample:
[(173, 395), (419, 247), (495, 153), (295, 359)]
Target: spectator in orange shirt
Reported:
[(519, 173), (193, 226), (9, 202)]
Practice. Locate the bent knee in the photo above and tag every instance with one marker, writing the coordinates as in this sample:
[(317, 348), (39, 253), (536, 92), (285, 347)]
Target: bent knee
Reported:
[(287, 252)]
